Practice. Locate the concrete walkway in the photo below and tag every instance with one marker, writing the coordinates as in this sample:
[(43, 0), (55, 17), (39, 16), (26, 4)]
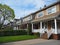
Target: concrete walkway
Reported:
[(28, 42)]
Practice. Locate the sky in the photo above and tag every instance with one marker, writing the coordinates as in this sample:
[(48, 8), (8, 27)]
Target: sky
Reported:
[(25, 7)]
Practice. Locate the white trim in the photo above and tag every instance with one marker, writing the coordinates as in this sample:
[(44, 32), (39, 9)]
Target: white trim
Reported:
[(50, 10), (41, 25), (32, 27), (36, 30), (27, 26), (42, 30), (55, 21), (39, 14)]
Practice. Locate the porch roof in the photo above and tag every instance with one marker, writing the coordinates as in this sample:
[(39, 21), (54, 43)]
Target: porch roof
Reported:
[(26, 22), (47, 17)]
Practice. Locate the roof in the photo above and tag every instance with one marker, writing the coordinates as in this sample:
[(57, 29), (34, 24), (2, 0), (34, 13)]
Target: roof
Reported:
[(47, 17), (44, 17), (16, 19), (26, 22), (58, 2)]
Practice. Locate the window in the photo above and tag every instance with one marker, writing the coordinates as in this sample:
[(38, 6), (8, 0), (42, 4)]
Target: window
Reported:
[(53, 25), (40, 14), (27, 18), (42, 25), (51, 10)]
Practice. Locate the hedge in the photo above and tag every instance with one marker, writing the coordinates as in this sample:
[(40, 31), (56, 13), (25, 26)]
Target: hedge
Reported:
[(13, 32)]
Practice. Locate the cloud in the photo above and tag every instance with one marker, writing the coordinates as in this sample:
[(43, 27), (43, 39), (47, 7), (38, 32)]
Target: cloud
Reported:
[(29, 6), (25, 7)]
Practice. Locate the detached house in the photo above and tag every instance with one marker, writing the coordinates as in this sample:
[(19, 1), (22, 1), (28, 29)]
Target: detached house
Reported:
[(46, 21)]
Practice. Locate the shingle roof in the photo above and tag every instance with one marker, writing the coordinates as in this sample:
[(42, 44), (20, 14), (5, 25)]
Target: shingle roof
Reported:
[(42, 9)]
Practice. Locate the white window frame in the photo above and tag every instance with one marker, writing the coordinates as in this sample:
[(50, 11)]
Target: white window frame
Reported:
[(40, 15), (51, 9), (27, 18)]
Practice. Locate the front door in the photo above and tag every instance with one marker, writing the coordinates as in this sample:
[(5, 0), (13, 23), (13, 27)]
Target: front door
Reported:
[(49, 25)]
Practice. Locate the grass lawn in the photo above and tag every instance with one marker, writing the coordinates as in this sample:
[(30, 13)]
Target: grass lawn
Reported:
[(16, 38)]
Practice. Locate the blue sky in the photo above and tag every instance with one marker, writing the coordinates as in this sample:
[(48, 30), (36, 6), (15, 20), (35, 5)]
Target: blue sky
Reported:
[(25, 7)]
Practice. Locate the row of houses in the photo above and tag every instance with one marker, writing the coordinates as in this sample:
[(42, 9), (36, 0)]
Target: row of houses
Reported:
[(46, 21)]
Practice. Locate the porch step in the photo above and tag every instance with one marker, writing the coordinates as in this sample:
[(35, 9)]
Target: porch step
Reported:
[(44, 36)]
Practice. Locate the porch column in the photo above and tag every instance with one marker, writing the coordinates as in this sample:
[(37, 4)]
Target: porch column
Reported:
[(32, 27), (55, 21), (41, 25), (27, 26), (40, 28)]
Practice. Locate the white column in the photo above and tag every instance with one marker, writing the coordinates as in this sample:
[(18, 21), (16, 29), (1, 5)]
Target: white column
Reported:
[(27, 26), (55, 21), (32, 27), (41, 25), (27, 29), (17, 27), (44, 26), (40, 28)]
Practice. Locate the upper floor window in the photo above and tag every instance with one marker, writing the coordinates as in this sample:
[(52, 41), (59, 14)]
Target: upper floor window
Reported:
[(51, 10), (40, 14), (18, 22), (27, 18)]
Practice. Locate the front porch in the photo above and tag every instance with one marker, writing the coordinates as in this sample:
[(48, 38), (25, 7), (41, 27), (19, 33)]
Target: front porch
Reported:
[(48, 28), (23, 26)]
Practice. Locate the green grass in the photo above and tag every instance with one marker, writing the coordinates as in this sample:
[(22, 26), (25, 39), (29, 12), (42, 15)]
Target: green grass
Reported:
[(16, 38)]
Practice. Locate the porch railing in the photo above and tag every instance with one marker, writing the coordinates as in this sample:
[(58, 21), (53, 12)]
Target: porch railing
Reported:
[(36, 30), (50, 32), (41, 32)]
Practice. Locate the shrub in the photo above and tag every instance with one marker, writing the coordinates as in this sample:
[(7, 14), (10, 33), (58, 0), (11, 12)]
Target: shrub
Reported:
[(37, 34), (13, 32), (29, 31), (7, 28)]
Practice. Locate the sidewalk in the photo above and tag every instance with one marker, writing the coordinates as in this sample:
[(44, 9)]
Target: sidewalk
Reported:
[(27, 42)]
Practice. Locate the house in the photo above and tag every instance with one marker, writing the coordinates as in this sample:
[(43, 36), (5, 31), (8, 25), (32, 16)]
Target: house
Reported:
[(26, 22), (46, 21), (15, 24)]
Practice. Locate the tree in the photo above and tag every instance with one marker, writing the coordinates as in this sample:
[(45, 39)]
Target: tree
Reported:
[(6, 13)]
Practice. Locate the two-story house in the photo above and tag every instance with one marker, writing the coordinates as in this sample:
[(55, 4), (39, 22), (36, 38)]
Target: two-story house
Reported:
[(15, 24), (46, 21), (26, 22)]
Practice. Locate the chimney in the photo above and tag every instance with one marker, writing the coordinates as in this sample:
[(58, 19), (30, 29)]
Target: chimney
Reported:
[(40, 8), (58, 0), (44, 5)]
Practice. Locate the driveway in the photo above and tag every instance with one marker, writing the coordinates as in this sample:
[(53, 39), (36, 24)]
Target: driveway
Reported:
[(34, 42)]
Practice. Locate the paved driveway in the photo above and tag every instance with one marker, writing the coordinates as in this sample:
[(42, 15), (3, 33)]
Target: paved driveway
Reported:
[(34, 42), (52, 42)]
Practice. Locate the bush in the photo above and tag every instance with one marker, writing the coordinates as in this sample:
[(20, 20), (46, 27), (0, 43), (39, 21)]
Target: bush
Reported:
[(37, 34), (7, 28), (29, 31), (13, 32)]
